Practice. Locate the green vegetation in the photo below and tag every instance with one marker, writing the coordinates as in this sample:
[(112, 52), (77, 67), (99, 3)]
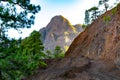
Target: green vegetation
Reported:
[(16, 60), (114, 11), (12, 18), (94, 12), (84, 26), (91, 15), (87, 17), (33, 46), (20, 58), (56, 53), (106, 19)]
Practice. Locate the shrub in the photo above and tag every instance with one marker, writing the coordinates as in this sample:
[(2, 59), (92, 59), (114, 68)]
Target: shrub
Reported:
[(114, 11), (106, 19), (56, 53)]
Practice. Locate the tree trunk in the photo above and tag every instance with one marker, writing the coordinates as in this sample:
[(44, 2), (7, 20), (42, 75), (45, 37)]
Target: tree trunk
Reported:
[(106, 7), (0, 75)]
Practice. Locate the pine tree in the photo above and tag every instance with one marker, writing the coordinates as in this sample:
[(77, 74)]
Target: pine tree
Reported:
[(94, 12), (104, 2), (33, 43), (87, 17), (13, 62), (58, 52), (20, 58), (14, 14)]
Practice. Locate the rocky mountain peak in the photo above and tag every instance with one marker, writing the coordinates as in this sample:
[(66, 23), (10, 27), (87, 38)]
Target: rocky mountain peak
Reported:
[(59, 18), (59, 23), (59, 32)]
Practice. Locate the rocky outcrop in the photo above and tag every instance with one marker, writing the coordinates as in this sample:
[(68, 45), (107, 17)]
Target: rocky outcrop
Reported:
[(93, 55), (59, 32), (100, 40)]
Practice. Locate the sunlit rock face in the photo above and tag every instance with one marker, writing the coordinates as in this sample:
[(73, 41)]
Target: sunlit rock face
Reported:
[(59, 32)]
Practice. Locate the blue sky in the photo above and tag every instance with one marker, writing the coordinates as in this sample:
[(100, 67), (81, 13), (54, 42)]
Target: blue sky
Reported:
[(60, 2), (73, 10)]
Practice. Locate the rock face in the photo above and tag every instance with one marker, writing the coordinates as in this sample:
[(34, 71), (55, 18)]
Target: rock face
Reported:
[(101, 39), (59, 32), (93, 55)]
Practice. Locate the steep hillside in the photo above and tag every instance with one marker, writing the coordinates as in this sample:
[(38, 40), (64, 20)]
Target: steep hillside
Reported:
[(101, 39), (59, 32), (93, 55)]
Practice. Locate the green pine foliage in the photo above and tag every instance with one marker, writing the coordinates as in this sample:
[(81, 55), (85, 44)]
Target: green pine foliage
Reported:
[(33, 43), (9, 65), (114, 10), (19, 59), (16, 59), (12, 18), (87, 17), (55, 54), (58, 52), (49, 54), (91, 15), (34, 46), (94, 13)]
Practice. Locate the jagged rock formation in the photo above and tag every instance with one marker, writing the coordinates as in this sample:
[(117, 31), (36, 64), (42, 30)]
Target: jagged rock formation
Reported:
[(93, 55), (59, 32)]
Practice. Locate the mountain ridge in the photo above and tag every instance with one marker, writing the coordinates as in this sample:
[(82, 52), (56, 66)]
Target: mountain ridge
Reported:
[(59, 32)]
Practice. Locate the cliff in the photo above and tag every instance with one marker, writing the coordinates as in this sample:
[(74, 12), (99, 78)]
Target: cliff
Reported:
[(59, 32)]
